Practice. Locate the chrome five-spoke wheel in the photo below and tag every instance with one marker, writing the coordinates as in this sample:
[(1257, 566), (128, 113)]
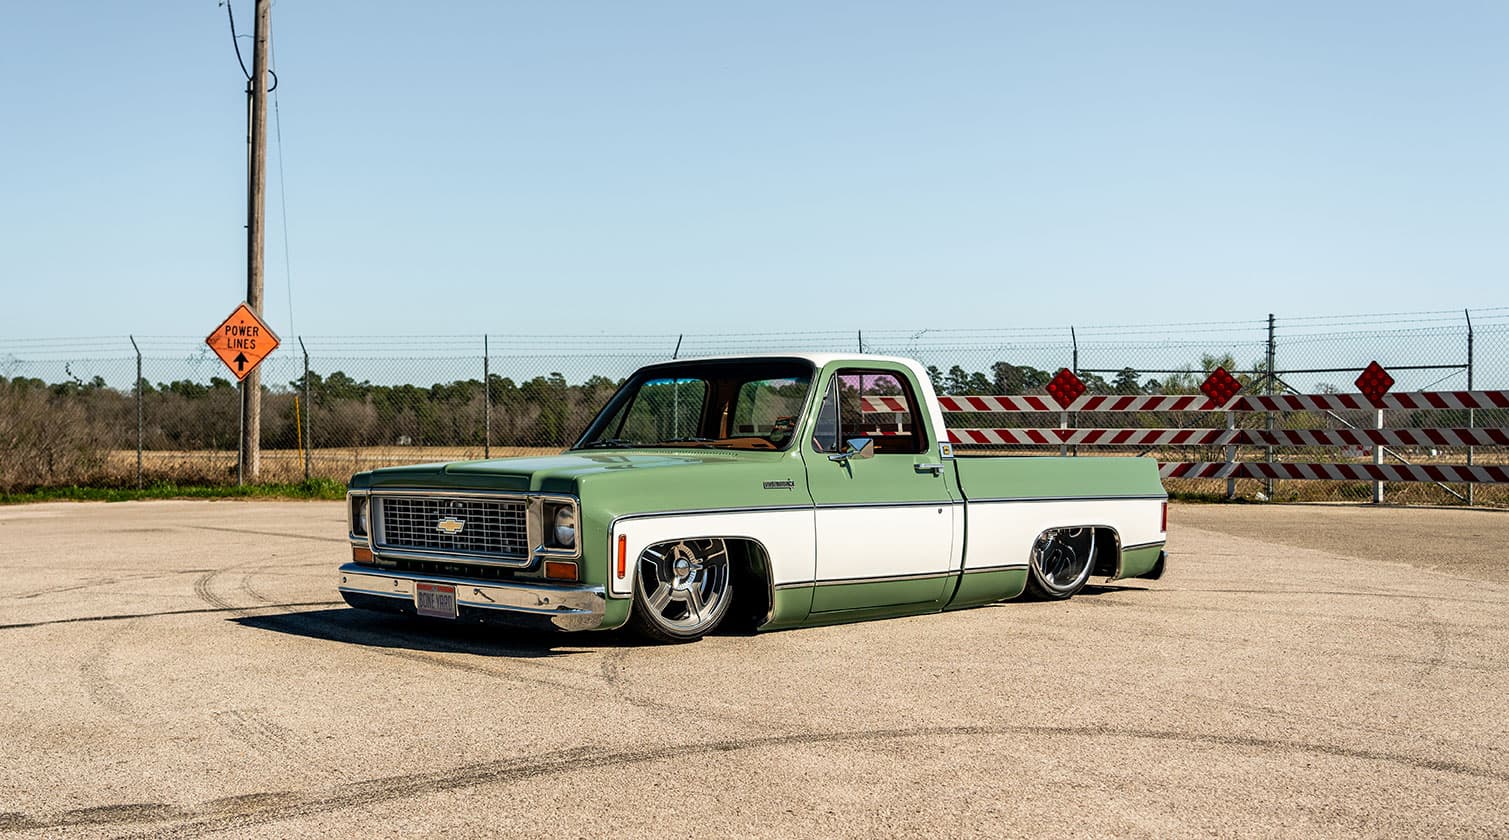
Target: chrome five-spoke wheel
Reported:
[(1061, 562), (682, 589)]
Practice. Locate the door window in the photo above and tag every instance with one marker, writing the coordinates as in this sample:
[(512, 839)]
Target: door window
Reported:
[(875, 404)]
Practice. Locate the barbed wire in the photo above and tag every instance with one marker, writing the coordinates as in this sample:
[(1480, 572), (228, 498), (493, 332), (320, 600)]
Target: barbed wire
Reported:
[(1150, 346)]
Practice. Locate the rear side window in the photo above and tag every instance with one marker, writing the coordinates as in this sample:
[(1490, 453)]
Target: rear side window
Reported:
[(875, 404)]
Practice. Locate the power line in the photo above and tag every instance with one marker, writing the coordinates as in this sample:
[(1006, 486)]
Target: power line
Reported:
[(277, 120), (235, 40)]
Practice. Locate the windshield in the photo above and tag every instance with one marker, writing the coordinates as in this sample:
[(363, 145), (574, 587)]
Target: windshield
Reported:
[(719, 405)]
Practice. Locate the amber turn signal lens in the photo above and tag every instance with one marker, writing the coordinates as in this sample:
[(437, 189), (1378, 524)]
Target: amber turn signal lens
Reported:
[(361, 555), (623, 556), (560, 570)]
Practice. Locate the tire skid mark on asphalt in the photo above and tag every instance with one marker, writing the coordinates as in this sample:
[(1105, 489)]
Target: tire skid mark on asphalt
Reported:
[(1226, 609), (22, 625), (246, 726), (612, 672), (283, 568), (1099, 601), (1341, 719), (101, 689), (1440, 640), (205, 592), (143, 812), (251, 591), (1155, 631), (256, 730), (131, 812), (1344, 593), (101, 581), (283, 534), (86, 584), (380, 643), (260, 809), (94, 669), (1432, 664)]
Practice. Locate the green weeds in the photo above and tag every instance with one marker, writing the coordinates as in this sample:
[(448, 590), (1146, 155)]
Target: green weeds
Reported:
[(314, 488)]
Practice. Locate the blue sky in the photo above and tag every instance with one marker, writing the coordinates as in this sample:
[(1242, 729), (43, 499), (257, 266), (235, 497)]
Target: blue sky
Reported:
[(707, 167)]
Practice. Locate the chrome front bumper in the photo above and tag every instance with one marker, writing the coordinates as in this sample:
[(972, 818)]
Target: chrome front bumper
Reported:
[(562, 607)]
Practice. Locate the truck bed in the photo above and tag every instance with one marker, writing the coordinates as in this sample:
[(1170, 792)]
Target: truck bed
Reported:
[(1003, 477)]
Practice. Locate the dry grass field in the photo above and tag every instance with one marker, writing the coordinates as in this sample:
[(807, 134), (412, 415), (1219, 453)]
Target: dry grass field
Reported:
[(287, 465), (339, 463)]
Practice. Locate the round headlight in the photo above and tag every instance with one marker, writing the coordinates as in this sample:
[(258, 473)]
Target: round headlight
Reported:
[(565, 527), (359, 516)]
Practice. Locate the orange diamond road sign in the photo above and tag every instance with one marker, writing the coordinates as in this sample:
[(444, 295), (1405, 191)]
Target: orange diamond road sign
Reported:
[(242, 341)]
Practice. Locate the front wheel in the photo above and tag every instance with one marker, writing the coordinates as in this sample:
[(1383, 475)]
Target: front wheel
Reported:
[(682, 590), (1061, 562)]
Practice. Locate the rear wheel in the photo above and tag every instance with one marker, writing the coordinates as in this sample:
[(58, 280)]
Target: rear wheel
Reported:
[(682, 590), (1061, 562)]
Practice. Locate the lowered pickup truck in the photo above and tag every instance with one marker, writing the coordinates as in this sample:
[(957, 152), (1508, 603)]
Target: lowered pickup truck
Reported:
[(753, 492)]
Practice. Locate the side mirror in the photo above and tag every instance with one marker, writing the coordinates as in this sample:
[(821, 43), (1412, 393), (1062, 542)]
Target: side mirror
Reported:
[(855, 449)]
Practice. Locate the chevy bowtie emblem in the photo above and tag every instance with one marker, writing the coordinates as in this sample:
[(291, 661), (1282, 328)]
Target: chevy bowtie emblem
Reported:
[(450, 526)]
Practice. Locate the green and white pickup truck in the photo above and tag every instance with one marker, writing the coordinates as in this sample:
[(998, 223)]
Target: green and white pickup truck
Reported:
[(752, 492)]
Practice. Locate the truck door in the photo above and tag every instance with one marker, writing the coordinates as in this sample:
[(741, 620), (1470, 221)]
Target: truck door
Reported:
[(885, 524)]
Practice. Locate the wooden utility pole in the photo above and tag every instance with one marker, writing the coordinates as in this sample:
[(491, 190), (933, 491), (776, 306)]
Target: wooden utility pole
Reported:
[(256, 177)]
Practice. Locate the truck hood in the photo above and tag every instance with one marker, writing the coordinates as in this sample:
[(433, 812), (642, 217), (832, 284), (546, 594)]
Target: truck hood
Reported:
[(555, 473)]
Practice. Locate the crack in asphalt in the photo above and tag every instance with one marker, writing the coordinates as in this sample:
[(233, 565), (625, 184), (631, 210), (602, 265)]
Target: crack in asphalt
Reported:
[(262, 808)]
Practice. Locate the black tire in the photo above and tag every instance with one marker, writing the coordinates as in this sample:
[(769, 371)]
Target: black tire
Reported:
[(1060, 565), (682, 590)]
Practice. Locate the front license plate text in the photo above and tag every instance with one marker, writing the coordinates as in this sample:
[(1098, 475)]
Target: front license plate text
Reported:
[(437, 600)]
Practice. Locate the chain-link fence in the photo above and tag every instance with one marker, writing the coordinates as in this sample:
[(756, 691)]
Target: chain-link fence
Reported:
[(129, 410)]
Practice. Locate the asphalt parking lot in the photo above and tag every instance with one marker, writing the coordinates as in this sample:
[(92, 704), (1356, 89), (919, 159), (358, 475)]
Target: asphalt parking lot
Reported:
[(181, 669)]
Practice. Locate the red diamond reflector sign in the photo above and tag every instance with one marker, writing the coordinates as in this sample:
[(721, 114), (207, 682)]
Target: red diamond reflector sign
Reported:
[(1220, 386), (1374, 383), (1065, 387)]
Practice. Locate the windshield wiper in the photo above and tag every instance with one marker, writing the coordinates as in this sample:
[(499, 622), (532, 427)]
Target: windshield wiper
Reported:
[(606, 443), (689, 440)]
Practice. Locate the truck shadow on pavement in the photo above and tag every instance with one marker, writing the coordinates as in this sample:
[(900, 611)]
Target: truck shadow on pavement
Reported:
[(1093, 589), (395, 632)]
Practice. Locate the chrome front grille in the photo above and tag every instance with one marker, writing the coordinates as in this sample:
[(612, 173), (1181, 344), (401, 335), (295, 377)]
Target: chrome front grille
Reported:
[(494, 528)]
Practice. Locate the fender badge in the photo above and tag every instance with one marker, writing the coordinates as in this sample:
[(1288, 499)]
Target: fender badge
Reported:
[(450, 526), (787, 484)]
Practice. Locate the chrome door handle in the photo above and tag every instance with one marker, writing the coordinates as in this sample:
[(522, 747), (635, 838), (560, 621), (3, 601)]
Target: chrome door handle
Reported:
[(935, 469)]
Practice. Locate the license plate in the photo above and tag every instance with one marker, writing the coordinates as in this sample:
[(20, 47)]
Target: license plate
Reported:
[(437, 600)]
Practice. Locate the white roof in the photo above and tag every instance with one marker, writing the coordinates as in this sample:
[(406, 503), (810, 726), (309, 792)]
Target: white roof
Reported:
[(818, 359)]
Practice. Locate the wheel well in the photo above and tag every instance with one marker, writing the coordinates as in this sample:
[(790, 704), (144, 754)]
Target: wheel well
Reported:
[(1107, 552), (753, 593)]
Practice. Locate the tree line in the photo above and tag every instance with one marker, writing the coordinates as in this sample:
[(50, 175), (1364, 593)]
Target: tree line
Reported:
[(49, 431), (61, 425)]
